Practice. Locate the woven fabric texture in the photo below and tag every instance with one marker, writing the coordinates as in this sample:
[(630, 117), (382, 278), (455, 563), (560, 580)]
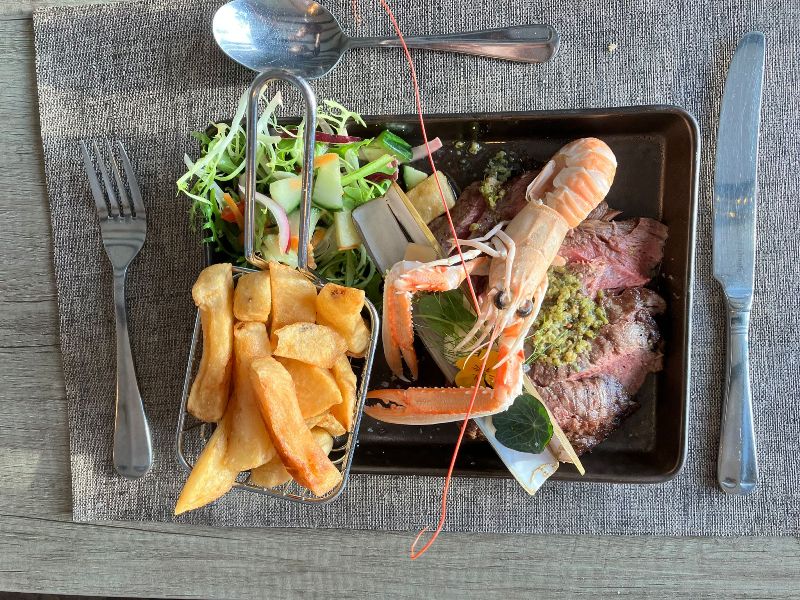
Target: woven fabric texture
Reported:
[(148, 73)]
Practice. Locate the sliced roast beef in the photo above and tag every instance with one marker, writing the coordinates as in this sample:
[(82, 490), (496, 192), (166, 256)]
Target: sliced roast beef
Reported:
[(588, 410), (469, 208), (602, 212), (589, 398), (622, 304), (626, 348), (510, 203), (615, 254), (473, 217)]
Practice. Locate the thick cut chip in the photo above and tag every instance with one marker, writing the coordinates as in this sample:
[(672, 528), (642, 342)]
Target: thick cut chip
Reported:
[(252, 298), (298, 451), (271, 474), (312, 421), (359, 340), (324, 439), (274, 473), (211, 477), (339, 308), (213, 295), (309, 343), (330, 424), (347, 382), (294, 297), (316, 388), (249, 445)]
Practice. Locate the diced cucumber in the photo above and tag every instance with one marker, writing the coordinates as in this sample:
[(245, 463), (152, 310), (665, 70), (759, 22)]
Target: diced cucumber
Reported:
[(287, 192), (370, 154), (393, 144), (294, 222), (413, 177), (297, 151), (347, 236), (270, 251), (276, 175), (328, 185)]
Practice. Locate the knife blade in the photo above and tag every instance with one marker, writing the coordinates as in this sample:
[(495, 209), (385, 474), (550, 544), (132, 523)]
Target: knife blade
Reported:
[(734, 240)]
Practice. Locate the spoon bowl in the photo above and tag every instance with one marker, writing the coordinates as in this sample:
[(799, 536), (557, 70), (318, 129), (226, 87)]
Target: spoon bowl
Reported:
[(296, 35)]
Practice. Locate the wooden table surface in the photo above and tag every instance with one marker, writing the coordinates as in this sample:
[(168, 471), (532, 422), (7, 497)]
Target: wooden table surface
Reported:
[(43, 551)]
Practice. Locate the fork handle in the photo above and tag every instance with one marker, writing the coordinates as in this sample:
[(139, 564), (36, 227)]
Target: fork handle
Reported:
[(133, 451), (737, 466)]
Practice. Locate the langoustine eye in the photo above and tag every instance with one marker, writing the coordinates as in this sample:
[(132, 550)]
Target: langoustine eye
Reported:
[(525, 309), (502, 300)]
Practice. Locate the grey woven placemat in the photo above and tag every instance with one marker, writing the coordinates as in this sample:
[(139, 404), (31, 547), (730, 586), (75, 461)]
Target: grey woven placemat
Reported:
[(149, 73)]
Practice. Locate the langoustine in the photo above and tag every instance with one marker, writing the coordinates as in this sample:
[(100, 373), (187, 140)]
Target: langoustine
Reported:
[(517, 256)]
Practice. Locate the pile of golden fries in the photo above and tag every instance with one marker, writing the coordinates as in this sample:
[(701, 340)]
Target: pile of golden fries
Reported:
[(275, 377)]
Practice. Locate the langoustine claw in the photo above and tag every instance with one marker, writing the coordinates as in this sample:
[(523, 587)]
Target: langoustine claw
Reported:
[(404, 280), (427, 406)]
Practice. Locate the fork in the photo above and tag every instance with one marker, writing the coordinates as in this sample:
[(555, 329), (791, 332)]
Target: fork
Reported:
[(123, 227)]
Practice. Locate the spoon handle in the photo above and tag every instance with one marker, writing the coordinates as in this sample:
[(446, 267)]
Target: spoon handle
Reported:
[(521, 43)]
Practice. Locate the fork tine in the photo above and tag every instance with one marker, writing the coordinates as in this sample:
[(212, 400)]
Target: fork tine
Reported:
[(136, 193), (94, 183), (112, 197), (123, 195)]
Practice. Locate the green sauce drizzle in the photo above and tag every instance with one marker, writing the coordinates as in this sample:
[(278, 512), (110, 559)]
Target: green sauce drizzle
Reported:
[(567, 321), (496, 174)]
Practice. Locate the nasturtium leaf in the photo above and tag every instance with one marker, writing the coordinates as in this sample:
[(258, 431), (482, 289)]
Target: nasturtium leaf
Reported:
[(524, 427)]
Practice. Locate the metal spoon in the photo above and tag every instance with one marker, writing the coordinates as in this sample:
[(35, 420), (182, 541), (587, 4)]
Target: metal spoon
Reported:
[(303, 37)]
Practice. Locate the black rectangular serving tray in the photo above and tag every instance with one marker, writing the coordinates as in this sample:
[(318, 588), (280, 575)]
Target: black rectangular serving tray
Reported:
[(657, 149)]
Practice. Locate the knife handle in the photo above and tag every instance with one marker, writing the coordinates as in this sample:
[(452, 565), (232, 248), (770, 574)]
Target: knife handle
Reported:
[(737, 466)]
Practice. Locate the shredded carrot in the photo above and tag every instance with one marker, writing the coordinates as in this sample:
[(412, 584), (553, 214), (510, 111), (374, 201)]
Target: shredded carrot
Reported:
[(235, 210), (418, 98)]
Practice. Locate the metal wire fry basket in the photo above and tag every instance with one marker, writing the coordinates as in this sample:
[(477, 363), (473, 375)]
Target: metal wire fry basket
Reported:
[(192, 434)]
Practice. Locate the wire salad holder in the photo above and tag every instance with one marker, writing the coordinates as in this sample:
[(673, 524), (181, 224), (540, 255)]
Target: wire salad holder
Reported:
[(192, 434)]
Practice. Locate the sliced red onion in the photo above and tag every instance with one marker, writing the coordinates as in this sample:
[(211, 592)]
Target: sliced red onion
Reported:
[(326, 138), (280, 216), (420, 151), (380, 176), (377, 177)]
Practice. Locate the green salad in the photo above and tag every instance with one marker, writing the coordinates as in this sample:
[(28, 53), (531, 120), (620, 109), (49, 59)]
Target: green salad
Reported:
[(348, 171)]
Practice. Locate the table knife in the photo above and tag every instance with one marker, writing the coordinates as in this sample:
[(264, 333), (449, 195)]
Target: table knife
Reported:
[(734, 242)]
